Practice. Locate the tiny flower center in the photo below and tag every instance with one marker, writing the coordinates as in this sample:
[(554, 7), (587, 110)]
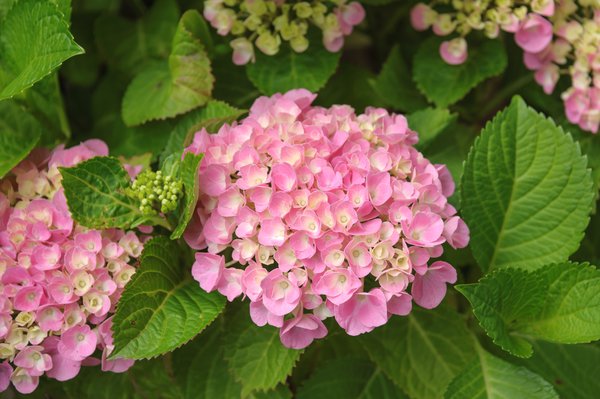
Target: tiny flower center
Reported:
[(342, 279), (31, 296), (312, 226), (356, 253), (284, 285), (36, 356), (344, 219), (80, 337)]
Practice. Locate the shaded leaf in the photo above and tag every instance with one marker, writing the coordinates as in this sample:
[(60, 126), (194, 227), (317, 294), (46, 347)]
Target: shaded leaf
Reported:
[(19, 133), (445, 84)]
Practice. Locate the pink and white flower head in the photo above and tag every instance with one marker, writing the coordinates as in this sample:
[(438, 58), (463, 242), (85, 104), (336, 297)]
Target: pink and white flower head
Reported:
[(316, 203), (59, 282)]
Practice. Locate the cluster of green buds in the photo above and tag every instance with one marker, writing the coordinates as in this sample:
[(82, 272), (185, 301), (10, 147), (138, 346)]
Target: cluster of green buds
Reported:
[(267, 23), (156, 192)]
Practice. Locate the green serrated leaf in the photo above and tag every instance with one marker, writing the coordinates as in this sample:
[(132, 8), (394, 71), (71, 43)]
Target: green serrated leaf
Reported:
[(572, 369), (189, 176), (557, 303), (429, 123), (205, 353), (129, 45), (489, 377), (161, 308), (395, 86), (95, 192), (281, 392), (290, 70), (255, 355), (526, 191), (19, 134), (212, 117), (422, 352), (445, 84), (349, 377), (164, 90), (35, 40)]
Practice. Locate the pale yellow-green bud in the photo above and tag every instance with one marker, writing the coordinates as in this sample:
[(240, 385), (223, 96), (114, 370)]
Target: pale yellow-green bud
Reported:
[(256, 7), (520, 12), (252, 23), (24, 319), (268, 43), (7, 351), (491, 29), (299, 44), (271, 6), (230, 3), (303, 9), (504, 3), (331, 22), (280, 22), (238, 27)]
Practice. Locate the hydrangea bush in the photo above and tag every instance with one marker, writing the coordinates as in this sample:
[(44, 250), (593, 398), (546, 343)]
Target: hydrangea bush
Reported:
[(303, 199)]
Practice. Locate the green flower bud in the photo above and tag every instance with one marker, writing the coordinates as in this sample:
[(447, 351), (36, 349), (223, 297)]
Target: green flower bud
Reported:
[(303, 9), (299, 44), (268, 43)]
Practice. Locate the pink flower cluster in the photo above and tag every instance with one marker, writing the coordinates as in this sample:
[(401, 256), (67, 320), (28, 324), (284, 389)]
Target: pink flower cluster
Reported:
[(571, 39), (59, 282), (553, 34), (327, 213)]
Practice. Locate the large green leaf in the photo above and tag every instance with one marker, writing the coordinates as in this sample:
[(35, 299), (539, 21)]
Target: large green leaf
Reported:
[(35, 40), (19, 133), (557, 303), (395, 86), (128, 45), (95, 192), (445, 84), (422, 352), (349, 377), (212, 117), (290, 70), (164, 90), (189, 175), (161, 308), (572, 369), (255, 355), (526, 192), (489, 377)]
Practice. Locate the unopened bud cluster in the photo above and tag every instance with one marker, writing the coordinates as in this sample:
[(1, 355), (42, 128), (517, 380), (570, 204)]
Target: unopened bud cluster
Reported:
[(156, 192), (267, 23), (557, 37)]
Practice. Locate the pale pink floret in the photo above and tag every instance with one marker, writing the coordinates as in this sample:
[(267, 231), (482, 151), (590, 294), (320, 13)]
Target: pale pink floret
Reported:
[(208, 270), (280, 295), (534, 34), (362, 313), (301, 331), (77, 343), (429, 288), (454, 51)]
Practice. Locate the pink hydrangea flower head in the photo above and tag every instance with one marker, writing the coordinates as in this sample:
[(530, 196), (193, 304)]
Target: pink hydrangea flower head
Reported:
[(59, 281), (315, 203)]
